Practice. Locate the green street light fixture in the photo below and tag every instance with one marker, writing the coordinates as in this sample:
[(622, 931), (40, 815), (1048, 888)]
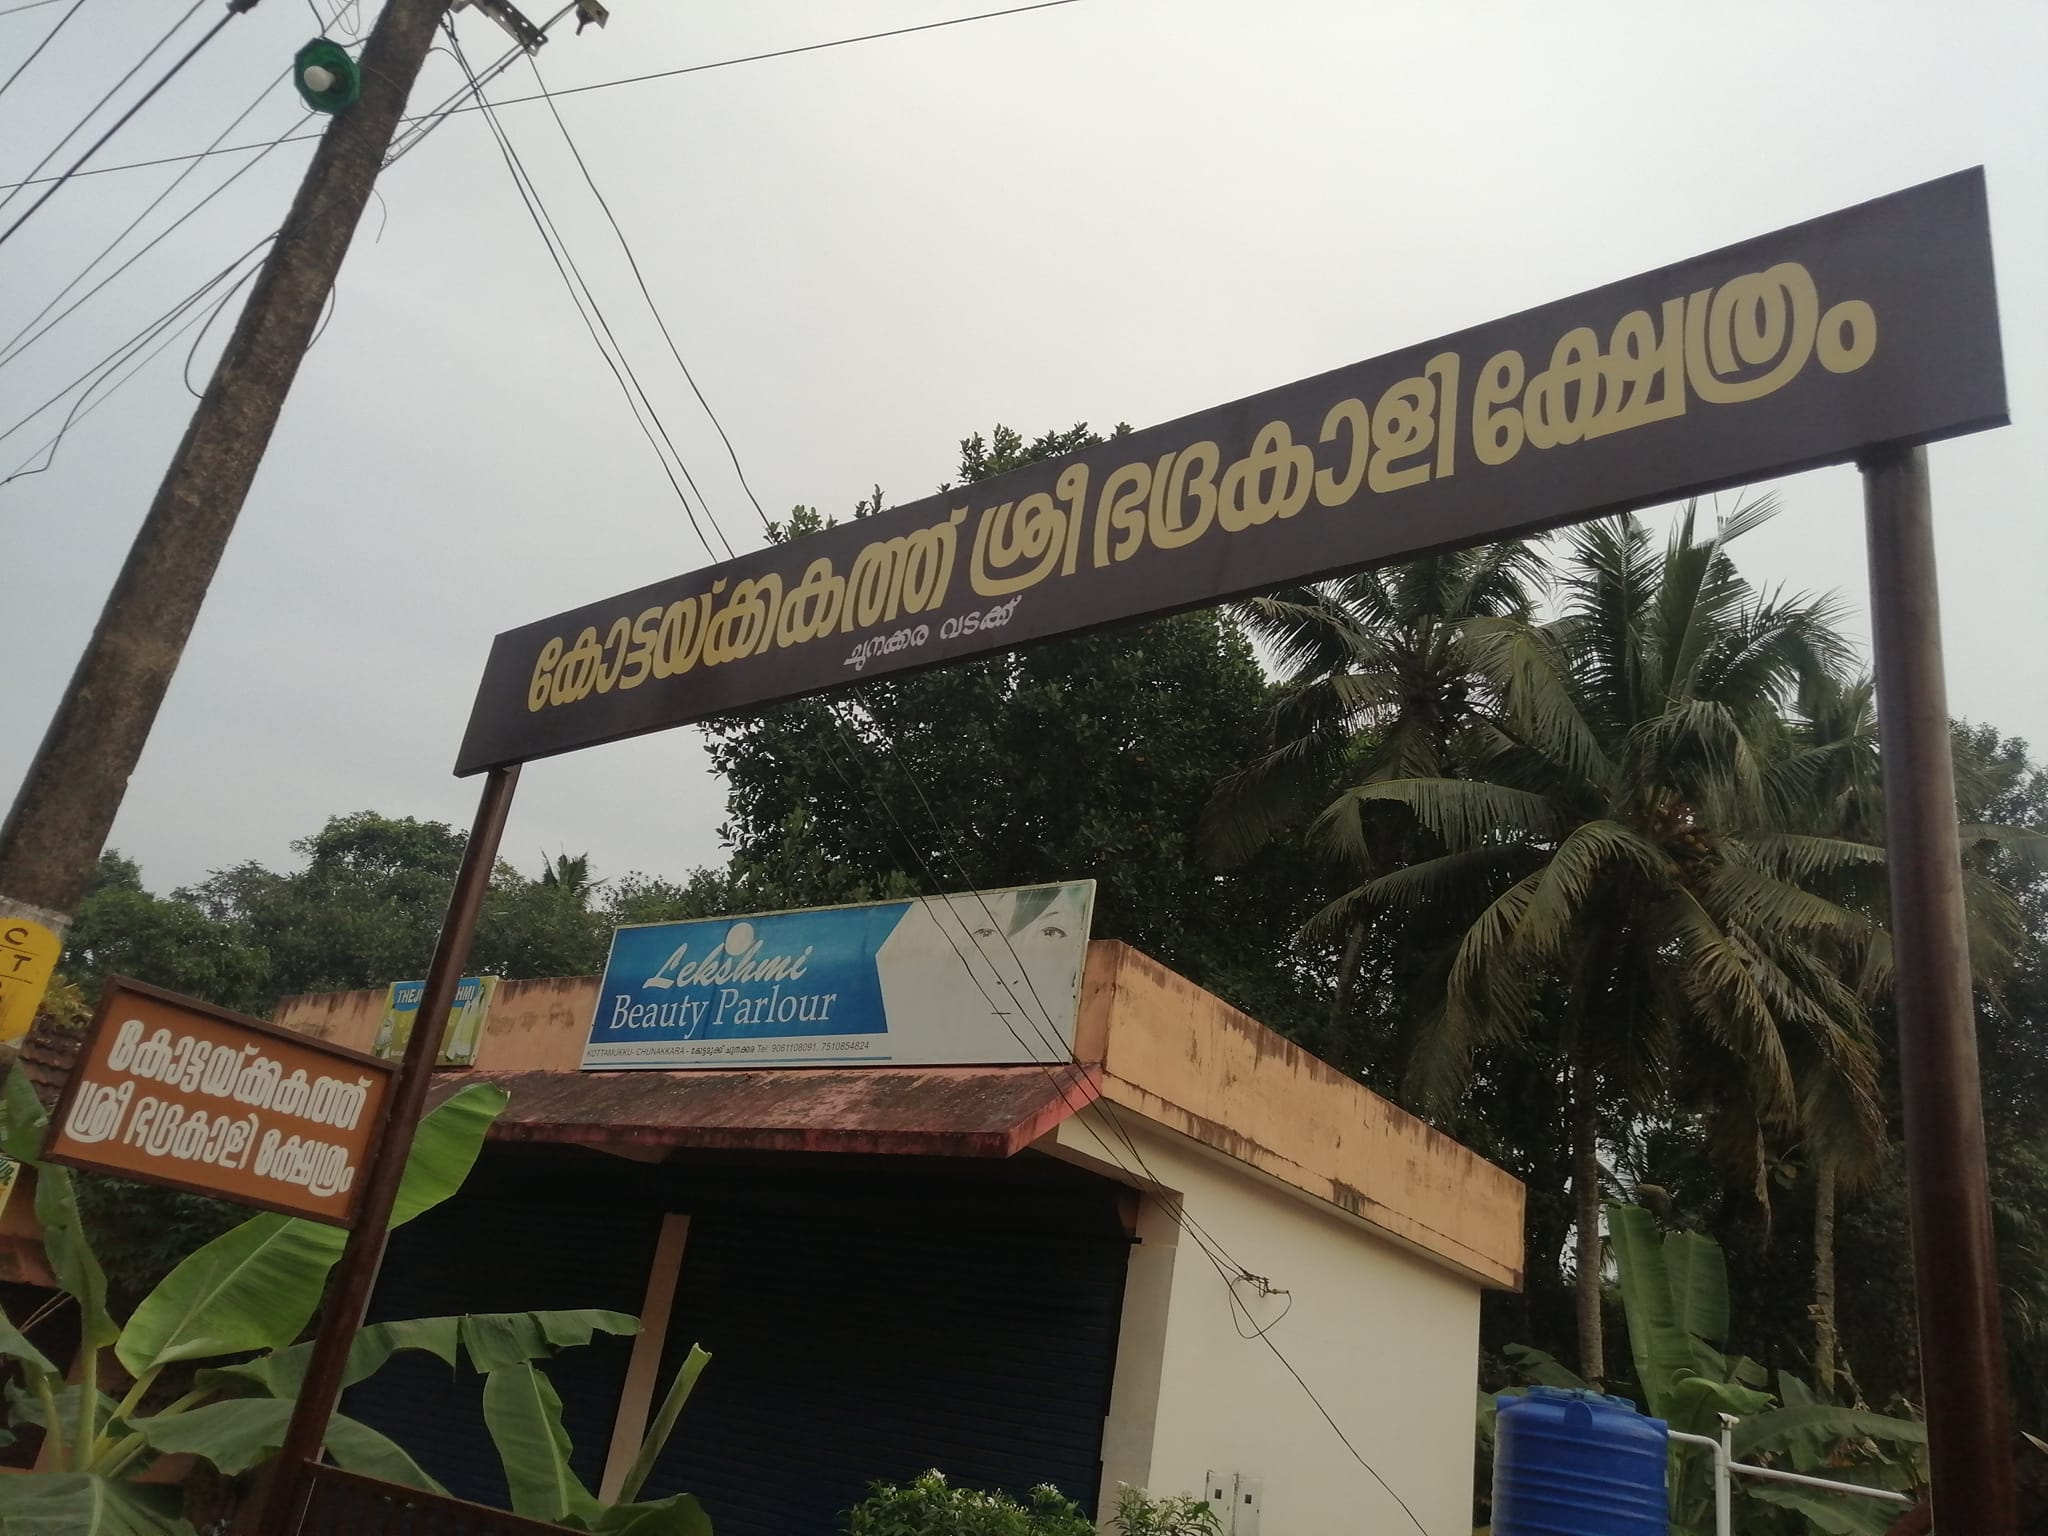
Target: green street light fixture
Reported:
[(327, 78)]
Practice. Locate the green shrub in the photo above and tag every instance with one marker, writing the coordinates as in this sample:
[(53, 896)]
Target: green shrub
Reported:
[(931, 1506), (1138, 1514)]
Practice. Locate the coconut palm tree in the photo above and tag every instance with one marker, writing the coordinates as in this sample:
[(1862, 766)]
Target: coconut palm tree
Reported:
[(1593, 855), (1378, 681), (1831, 840)]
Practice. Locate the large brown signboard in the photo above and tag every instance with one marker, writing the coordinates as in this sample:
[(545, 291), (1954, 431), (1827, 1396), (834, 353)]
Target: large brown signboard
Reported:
[(1877, 324), (176, 1092)]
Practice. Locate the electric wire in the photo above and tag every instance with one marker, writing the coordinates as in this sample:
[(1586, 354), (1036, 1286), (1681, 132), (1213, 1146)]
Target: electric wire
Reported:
[(1218, 1256), (426, 122), (100, 371), (10, 350), (600, 85), (1054, 1047), (122, 121), (621, 369), (113, 90), (33, 5), (652, 308), (205, 325), (39, 47)]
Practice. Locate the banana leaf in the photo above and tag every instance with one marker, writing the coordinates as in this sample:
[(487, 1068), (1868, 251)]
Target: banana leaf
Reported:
[(22, 1120), (664, 1422), (244, 1432), (71, 1257), (496, 1337), (1543, 1370), (524, 1416), (280, 1373), (24, 1407), (78, 1504), (1835, 1514), (14, 1345), (1662, 1348), (1781, 1430), (255, 1286), (681, 1515)]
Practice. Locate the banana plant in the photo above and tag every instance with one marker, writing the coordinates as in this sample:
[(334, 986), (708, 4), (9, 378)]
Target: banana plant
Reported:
[(1674, 1296), (252, 1289), (524, 1415)]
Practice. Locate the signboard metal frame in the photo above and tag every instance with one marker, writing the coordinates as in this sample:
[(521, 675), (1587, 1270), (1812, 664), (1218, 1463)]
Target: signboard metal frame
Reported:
[(1955, 1269)]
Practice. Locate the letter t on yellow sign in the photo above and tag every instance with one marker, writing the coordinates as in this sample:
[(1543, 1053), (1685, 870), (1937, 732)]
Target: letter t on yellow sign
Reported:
[(28, 956)]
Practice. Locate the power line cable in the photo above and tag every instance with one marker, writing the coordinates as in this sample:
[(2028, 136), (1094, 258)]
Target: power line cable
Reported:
[(39, 47), (212, 314), (141, 336), (93, 111), (1228, 1268), (426, 122), (601, 85), (1217, 1255), (87, 403), (122, 121), (10, 350), (621, 368), (652, 308), (107, 365), (1053, 1046), (1212, 1248), (33, 5)]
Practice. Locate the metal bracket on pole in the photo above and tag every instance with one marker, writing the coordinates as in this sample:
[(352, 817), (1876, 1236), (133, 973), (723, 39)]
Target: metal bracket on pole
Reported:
[(507, 15)]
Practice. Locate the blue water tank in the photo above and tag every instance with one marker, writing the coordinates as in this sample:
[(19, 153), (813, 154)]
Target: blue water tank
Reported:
[(1577, 1463)]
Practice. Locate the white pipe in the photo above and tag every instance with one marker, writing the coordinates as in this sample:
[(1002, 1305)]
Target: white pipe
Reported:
[(1724, 1513), (1726, 1466)]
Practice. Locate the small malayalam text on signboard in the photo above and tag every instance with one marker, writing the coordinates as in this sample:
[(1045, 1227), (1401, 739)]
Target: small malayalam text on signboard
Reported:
[(984, 977), (172, 1091), (1874, 325)]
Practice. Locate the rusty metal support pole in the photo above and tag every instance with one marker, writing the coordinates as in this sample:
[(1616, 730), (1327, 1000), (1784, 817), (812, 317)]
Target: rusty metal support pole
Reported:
[(348, 1290), (1955, 1266)]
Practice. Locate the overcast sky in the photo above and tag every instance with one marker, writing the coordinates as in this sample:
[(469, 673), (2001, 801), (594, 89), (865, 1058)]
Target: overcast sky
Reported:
[(1111, 210)]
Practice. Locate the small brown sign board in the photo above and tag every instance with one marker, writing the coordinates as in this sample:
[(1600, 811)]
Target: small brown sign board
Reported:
[(1875, 325), (174, 1091)]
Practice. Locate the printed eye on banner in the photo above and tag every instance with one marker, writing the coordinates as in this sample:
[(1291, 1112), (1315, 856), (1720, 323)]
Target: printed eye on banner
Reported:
[(1877, 324)]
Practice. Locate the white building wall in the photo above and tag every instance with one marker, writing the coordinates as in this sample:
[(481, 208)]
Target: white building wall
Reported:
[(1387, 1341)]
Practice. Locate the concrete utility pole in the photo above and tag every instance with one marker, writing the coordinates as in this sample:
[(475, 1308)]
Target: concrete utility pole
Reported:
[(66, 805)]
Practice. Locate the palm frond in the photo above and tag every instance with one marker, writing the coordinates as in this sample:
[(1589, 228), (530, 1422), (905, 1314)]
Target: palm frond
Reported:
[(1463, 812)]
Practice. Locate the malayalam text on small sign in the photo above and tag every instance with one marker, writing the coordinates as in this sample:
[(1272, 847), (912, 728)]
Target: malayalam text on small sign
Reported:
[(172, 1091)]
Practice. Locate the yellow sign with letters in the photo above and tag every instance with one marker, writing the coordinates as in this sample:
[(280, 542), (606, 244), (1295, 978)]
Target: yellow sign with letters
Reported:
[(28, 958)]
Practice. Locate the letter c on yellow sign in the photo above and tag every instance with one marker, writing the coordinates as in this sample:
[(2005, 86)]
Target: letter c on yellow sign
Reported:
[(28, 956)]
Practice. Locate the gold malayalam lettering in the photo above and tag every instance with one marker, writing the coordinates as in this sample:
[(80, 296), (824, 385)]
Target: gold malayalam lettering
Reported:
[(1731, 344)]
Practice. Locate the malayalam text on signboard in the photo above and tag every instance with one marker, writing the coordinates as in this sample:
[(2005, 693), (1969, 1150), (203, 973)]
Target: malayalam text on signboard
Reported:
[(973, 979), (175, 1092), (1874, 325)]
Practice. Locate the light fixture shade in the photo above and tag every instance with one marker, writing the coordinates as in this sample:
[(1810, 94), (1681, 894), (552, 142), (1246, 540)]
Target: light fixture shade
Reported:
[(346, 80)]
